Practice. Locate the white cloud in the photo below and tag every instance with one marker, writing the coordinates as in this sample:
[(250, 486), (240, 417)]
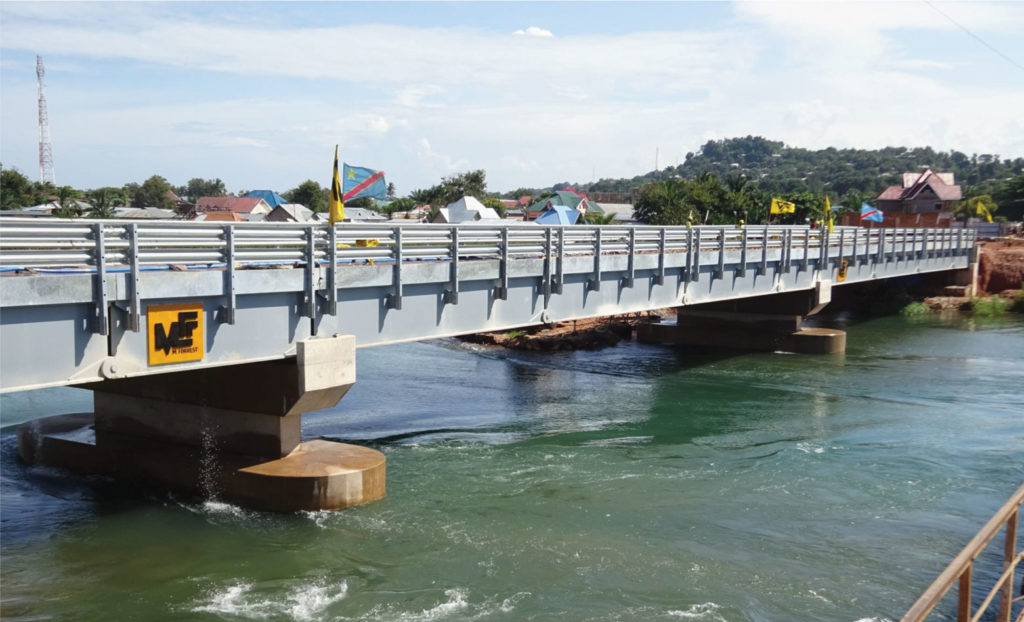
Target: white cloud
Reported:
[(534, 31), (530, 109)]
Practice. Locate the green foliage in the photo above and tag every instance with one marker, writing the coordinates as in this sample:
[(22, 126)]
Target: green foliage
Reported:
[(1017, 306), (398, 205), (495, 204), (916, 309), (512, 334), (16, 190), (981, 207), (451, 189), (1009, 195), (153, 193), (363, 202), (67, 204), (849, 175), (310, 194), (989, 307), (196, 188), (593, 218), (104, 200)]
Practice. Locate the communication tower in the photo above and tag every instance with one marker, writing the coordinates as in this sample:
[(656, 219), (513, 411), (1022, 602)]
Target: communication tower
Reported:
[(45, 149)]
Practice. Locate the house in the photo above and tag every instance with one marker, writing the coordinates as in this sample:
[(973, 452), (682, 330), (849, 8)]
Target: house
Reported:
[(217, 217), (568, 198), (291, 212), (921, 193), (236, 205), (468, 209), (623, 212), (361, 214), (144, 213)]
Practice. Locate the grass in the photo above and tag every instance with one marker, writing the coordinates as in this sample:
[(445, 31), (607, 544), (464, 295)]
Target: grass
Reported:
[(512, 334), (991, 306)]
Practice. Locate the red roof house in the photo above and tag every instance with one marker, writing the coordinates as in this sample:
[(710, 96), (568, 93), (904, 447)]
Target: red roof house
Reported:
[(925, 192), (237, 205)]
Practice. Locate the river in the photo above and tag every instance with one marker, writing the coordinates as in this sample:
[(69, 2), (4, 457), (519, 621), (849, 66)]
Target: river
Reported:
[(632, 483)]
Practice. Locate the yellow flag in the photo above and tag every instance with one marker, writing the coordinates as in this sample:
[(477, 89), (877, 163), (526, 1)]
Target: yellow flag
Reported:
[(782, 207), (335, 206), (828, 214)]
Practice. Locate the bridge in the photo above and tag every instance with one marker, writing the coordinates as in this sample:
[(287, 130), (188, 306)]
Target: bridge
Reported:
[(188, 332)]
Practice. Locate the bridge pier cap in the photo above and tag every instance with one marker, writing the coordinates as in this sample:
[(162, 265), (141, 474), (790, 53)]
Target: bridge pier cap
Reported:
[(244, 420)]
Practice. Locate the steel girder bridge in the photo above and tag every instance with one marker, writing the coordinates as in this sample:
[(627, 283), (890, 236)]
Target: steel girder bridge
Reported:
[(85, 301)]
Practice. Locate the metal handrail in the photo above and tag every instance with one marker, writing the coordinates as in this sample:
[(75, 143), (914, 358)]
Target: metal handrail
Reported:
[(962, 566)]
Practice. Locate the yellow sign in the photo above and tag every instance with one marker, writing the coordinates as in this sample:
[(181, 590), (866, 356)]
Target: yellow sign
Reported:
[(782, 207), (175, 333), (841, 272)]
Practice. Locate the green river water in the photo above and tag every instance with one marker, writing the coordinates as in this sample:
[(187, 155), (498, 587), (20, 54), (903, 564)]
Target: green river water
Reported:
[(632, 483)]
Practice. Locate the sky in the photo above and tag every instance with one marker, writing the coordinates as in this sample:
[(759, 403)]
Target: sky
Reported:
[(258, 94)]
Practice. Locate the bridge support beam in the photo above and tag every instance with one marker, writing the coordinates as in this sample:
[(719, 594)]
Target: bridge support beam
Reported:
[(231, 433), (765, 323)]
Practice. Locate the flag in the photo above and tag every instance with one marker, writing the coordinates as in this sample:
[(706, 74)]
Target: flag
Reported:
[(782, 207), (828, 215), (870, 213), (364, 182), (336, 207)]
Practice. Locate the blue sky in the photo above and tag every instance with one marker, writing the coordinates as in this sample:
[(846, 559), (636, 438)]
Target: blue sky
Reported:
[(258, 94)]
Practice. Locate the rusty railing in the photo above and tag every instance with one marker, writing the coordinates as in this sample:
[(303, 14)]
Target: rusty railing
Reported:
[(960, 570)]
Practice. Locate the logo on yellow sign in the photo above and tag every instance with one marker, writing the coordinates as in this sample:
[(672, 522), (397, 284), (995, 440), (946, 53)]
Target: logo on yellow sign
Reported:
[(175, 333)]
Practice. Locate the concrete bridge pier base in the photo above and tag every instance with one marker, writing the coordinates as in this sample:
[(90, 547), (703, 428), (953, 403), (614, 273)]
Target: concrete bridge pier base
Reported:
[(230, 433), (763, 323)]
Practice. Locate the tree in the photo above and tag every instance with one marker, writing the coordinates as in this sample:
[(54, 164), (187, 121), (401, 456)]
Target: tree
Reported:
[(453, 188), (310, 194), (67, 203), (391, 194), (1010, 197), (196, 188), (398, 205), (104, 200), (664, 203), (16, 190), (495, 204), (981, 206), (153, 193), (594, 218)]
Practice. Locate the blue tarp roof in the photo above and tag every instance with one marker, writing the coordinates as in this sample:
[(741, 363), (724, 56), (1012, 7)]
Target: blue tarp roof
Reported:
[(272, 198), (558, 215)]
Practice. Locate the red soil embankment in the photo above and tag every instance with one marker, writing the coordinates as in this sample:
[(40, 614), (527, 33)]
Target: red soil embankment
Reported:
[(1001, 266)]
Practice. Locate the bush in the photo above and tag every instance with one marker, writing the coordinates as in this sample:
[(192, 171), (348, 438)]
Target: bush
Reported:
[(988, 307), (915, 309)]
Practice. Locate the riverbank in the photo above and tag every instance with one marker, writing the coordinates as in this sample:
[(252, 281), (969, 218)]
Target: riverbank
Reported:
[(586, 334)]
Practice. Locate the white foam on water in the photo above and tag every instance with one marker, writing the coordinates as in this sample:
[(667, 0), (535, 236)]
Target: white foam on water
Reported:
[(302, 603), (703, 611), (808, 448), (308, 602)]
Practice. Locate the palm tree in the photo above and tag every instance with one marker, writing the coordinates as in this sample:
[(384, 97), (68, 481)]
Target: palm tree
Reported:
[(981, 206), (594, 218)]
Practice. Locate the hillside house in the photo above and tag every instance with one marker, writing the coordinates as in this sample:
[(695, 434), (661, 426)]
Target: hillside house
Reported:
[(921, 193)]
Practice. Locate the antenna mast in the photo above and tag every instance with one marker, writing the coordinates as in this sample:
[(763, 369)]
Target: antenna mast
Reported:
[(45, 149)]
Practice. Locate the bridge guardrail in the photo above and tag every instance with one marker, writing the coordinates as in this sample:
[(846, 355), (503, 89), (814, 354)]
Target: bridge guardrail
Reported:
[(117, 246)]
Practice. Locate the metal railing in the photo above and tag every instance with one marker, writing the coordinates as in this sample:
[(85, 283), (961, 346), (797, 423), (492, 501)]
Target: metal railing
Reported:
[(960, 571), (112, 244), (106, 247)]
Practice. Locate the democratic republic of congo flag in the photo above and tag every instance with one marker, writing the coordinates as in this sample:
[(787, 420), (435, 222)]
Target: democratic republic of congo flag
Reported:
[(363, 182), (870, 213)]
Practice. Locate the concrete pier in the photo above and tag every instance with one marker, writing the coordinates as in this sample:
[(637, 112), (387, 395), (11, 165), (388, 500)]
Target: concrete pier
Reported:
[(231, 433), (765, 323)]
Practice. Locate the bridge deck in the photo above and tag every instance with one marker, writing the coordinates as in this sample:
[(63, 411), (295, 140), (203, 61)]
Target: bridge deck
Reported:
[(85, 300)]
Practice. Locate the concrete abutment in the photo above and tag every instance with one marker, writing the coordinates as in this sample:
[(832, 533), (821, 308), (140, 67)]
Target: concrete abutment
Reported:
[(231, 433), (765, 323)]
